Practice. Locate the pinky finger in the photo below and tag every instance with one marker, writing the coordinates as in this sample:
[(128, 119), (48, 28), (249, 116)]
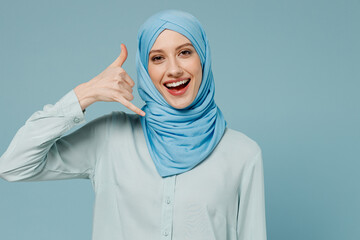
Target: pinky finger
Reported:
[(131, 106)]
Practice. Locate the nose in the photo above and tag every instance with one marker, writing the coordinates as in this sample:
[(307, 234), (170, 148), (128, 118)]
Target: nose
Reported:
[(174, 69)]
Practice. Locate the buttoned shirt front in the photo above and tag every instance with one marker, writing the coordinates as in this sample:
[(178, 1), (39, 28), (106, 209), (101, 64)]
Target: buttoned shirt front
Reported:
[(222, 198)]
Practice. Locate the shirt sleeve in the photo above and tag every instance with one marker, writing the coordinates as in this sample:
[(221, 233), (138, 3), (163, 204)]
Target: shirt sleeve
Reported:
[(251, 216), (39, 152)]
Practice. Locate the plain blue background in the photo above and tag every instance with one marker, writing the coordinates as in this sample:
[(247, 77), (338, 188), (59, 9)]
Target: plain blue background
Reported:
[(286, 74)]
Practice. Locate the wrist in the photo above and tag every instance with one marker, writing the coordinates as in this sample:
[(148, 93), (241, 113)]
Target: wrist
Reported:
[(84, 95)]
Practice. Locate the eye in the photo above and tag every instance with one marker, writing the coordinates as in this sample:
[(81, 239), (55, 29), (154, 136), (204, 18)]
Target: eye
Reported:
[(156, 58), (185, 52)]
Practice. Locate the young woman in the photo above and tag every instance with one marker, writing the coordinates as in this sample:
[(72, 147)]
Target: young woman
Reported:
[(173, 170)]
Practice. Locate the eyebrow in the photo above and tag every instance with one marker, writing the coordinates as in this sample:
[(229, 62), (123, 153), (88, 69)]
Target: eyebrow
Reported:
[(182, 45)]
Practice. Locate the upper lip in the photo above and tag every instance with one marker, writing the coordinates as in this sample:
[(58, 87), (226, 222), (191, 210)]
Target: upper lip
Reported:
[(175, 80)]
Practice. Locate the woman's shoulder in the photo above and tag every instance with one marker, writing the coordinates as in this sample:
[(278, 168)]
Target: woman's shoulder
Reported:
[(239, 143)]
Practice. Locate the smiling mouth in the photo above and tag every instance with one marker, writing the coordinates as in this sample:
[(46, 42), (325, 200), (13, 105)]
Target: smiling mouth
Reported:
[(177, 85)]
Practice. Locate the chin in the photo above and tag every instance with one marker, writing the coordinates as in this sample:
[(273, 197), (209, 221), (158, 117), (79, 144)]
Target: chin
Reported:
[(179, 104)]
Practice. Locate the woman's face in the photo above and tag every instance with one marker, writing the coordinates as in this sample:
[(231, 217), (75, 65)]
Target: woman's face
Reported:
[(175, 68)]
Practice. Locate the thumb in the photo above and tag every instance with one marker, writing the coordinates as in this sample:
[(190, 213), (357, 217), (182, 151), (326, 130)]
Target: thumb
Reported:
[(119, 61)]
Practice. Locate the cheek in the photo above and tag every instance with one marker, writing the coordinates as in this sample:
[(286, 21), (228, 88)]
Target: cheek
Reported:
[(155, 74), (197, 71), (200, 74)]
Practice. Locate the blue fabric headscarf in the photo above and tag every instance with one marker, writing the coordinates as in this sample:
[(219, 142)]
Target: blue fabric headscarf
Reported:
[(178, 139)]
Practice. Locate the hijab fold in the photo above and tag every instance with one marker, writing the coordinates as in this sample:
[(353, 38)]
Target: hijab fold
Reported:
[(178, 139)]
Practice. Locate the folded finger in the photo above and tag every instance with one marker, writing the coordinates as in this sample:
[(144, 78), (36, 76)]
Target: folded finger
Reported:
[(128, 79), (125, 86)]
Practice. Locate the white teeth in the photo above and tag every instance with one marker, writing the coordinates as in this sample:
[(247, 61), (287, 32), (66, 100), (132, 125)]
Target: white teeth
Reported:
[(175, 84)]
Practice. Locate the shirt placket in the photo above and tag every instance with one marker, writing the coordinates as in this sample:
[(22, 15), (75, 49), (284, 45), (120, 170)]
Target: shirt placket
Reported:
[(167, 208)]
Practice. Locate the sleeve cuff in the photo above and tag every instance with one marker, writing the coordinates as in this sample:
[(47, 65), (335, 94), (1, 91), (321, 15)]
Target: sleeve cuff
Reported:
[(71, 108)]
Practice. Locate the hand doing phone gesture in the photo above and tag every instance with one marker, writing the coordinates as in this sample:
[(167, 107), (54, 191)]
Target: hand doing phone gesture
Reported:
[(112, 85)]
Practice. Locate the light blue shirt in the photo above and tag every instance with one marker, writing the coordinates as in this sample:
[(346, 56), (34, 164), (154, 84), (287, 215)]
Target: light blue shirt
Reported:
[(220, 199)]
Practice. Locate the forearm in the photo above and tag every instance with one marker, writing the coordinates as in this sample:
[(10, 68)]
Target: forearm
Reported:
[(28, 149)]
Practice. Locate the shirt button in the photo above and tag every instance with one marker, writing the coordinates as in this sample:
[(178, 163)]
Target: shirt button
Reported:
[(76, 120), (168, 201), (166, 233)]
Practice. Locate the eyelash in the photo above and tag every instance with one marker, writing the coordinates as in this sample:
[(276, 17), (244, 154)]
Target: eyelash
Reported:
[(156, 58), (188, 52)]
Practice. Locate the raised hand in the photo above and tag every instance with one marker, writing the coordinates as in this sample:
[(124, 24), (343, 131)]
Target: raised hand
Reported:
[(111, 85)]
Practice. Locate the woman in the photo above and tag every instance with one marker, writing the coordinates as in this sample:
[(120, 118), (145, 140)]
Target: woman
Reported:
[(175, 171)]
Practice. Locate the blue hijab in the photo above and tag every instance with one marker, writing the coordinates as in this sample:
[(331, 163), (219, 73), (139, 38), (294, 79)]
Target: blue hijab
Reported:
[(178, 139)]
